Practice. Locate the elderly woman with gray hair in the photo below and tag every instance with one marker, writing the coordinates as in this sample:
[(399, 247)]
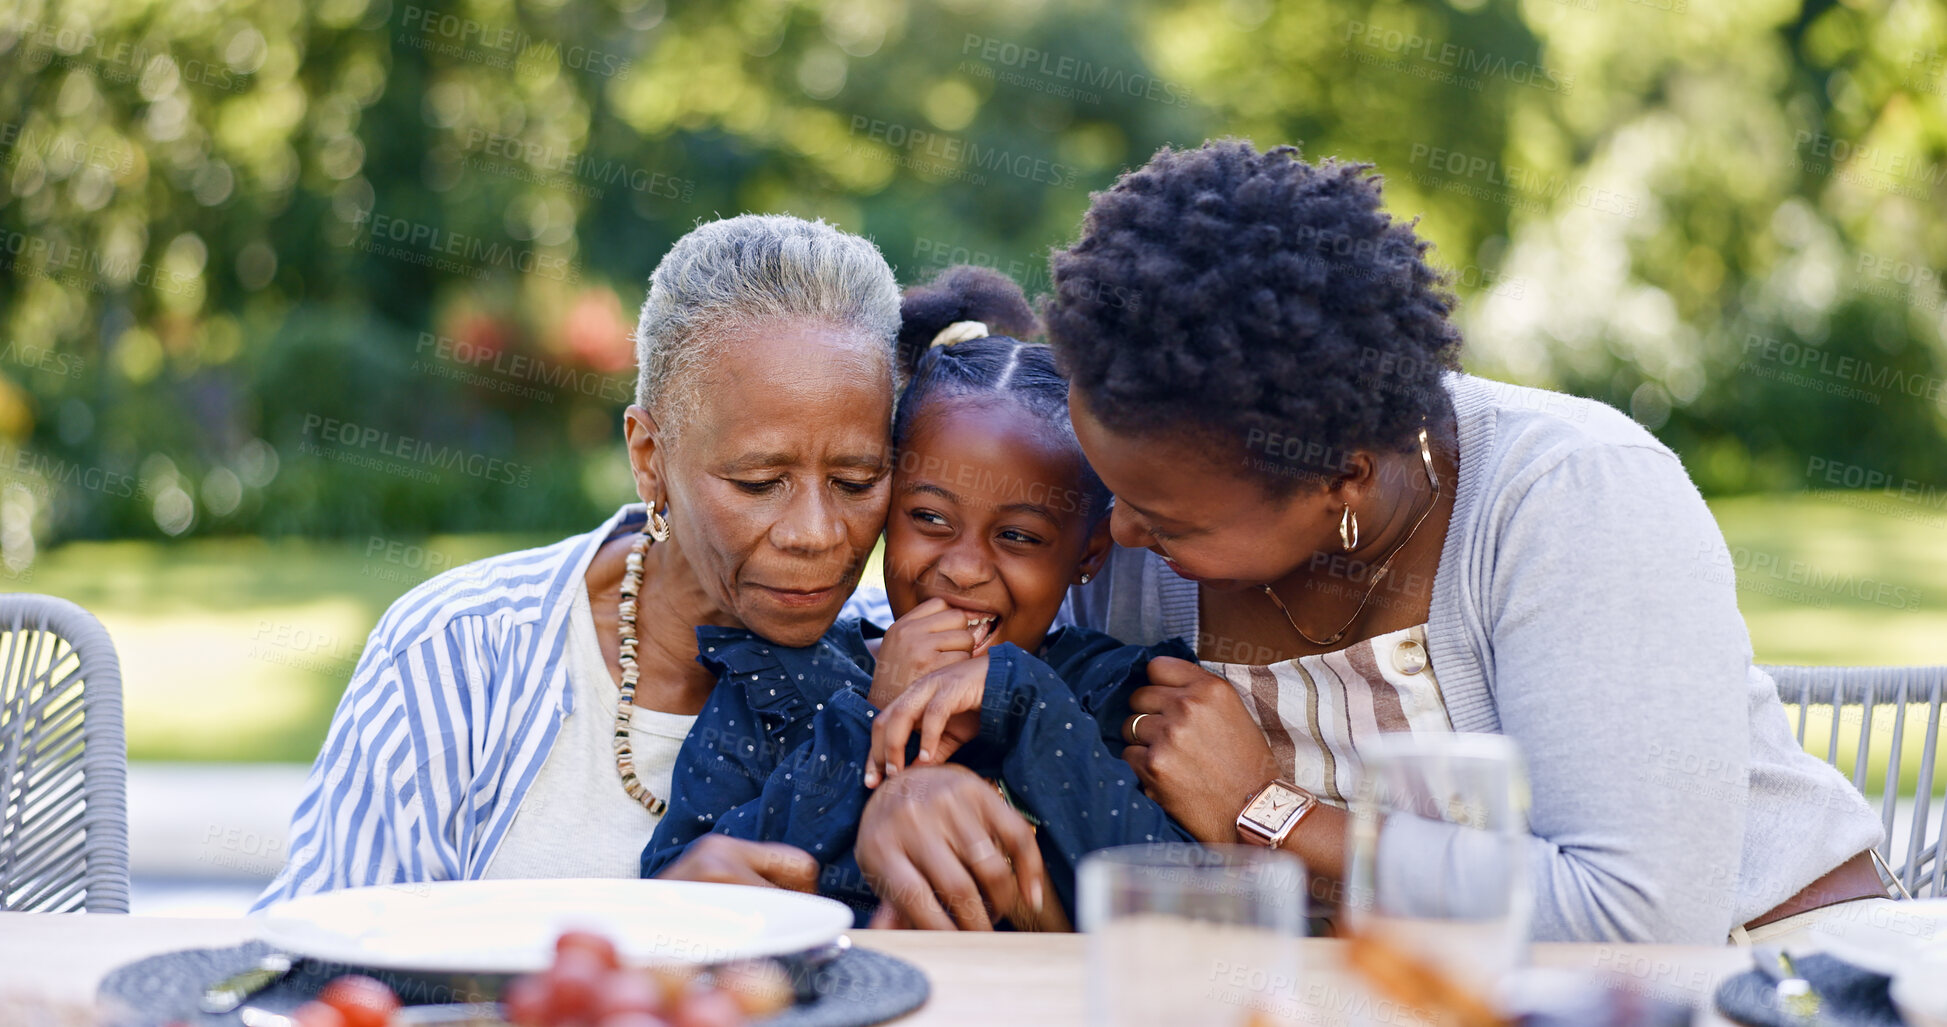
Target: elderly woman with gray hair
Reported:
[(521, 716)]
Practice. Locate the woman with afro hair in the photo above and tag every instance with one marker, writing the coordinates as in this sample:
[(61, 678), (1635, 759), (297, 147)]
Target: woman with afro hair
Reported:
[(1357, 537)]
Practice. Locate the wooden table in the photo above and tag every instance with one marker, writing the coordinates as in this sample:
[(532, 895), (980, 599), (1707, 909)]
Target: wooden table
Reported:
[(1016, 980)]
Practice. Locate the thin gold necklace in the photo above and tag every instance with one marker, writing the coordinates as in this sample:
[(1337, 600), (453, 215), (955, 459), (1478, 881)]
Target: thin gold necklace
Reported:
[(1426, 457)]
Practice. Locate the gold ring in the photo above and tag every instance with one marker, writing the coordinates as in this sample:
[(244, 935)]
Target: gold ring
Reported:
[(1133, 721)]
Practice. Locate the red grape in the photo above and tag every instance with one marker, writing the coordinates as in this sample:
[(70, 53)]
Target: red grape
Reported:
[(362, 1001), (708, 1009), (590, 942), (632, 1019), (574, 983), (626, 991), (317, 1014), (587, 987), (527, 1000)]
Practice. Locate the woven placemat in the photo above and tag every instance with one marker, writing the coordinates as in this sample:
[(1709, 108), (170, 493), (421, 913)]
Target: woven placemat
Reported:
[(1849, 996), (857, 989)]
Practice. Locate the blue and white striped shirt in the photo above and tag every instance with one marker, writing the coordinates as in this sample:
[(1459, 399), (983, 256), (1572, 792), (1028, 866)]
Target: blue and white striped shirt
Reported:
[(455, 704)]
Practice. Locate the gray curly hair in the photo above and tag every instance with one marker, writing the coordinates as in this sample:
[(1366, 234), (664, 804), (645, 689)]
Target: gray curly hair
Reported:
[(748, 269)]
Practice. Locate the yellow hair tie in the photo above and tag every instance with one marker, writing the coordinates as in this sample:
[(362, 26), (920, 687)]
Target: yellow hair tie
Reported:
[(960, 331)]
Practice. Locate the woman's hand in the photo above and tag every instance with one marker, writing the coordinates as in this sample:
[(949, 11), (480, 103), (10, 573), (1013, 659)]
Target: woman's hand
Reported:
[(721, 859), (944, 705), (1198, 752), (930, 636), (944, 850)]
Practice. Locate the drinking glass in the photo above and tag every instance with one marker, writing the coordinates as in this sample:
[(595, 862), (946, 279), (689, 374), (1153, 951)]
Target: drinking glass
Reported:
[(1190, 934), (1437, 858)]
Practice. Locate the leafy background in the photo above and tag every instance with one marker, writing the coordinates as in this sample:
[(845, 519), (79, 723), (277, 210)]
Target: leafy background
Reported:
[(1724, 218)]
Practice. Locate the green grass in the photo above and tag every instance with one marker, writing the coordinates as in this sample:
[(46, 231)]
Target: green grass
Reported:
[(1825, 580), (238, 649), (1845, 578)]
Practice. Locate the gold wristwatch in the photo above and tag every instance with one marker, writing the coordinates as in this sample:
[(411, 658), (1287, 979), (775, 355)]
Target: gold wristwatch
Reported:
[(1273, 812)]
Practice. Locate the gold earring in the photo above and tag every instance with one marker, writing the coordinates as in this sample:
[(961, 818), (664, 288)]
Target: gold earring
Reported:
[(658, 526), (1349, 529)]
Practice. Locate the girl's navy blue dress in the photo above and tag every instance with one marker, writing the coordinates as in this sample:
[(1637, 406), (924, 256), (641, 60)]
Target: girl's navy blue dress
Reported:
[(778, 754)]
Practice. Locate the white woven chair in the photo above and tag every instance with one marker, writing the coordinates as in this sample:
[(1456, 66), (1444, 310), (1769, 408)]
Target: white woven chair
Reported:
[(63, 763), (1889, 692)]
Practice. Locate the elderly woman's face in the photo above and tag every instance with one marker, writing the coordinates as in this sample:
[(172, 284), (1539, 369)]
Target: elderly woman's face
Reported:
[(777, 484)]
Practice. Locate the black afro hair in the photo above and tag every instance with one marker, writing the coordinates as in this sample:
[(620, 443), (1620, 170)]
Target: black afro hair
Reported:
[(1227, 294)]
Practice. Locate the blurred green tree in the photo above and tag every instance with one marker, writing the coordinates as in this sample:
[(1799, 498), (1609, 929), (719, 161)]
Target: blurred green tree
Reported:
[(1724, 218), (367, 265)]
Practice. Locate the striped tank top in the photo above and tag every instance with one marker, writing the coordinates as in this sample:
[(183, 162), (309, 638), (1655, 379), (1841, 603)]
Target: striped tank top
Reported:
[(1315, 710)]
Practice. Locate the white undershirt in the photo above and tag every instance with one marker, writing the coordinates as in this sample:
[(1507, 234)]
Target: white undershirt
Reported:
[(576, 821)]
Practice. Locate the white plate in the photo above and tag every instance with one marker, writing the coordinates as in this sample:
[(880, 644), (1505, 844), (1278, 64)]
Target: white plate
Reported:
[(1920, 988), (1881, 936), (510, 926)]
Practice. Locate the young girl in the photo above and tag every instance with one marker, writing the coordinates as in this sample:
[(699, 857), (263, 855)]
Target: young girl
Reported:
[(994, 514)]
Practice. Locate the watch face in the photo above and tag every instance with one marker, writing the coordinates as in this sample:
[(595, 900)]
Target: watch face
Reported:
[(1273, 807)]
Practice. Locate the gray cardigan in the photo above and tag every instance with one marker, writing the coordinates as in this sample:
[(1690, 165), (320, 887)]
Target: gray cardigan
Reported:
[(1585, 606)]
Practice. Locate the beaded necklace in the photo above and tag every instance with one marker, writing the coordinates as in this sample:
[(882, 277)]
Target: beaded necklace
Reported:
[(624, 710)]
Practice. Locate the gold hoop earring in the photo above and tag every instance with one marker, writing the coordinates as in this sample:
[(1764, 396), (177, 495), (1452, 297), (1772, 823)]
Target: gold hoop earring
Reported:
[(658, 526), (1349, 529)]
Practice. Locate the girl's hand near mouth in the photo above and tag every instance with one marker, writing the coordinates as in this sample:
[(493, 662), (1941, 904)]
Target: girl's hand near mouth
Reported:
[(930, 636), (943, 705)]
